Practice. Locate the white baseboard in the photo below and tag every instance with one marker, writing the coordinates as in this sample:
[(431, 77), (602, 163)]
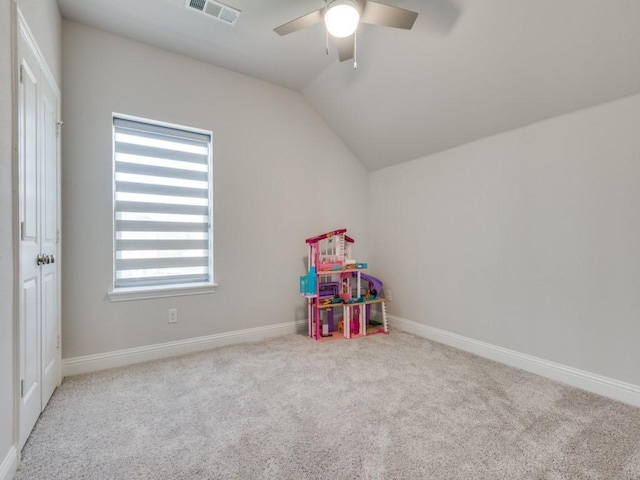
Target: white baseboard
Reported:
[(9, 465), (608, 387), (119, 358)]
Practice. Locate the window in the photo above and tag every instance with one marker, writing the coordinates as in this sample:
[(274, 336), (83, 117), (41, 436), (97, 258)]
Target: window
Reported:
[(162, 206)]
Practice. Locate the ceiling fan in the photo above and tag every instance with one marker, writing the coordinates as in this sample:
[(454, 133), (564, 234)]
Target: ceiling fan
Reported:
[(342, 17)]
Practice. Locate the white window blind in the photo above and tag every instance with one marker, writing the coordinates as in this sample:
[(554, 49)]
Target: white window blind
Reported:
[(162, 189)]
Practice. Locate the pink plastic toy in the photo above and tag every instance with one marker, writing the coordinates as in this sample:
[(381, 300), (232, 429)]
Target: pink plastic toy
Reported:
[(336, 282)]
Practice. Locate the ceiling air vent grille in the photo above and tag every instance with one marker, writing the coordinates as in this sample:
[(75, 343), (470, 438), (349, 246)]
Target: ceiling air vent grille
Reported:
[(217, 10), (197, 4)]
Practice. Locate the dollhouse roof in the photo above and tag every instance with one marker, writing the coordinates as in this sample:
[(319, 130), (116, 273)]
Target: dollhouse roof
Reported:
[(334, 233)]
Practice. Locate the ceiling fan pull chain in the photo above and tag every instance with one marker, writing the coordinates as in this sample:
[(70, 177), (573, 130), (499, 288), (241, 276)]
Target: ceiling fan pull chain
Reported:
[(327, 45), (355, 50)]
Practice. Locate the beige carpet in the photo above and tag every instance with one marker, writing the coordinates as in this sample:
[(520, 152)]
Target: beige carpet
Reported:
[(384, 407)]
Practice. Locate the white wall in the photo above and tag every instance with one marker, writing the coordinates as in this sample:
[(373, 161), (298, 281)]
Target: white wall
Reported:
[(281, 175), (528, 240), (45, 23)]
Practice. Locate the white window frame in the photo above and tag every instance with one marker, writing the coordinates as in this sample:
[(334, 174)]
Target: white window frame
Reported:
[(117, 294)]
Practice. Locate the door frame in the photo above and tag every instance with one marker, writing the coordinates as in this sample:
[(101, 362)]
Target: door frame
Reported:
[(20, 26)]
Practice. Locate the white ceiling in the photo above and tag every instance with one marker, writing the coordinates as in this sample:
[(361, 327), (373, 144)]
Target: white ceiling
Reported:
[(468, 69)]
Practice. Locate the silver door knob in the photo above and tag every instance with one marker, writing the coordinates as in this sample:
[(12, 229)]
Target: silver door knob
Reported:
[(40, 260), (53, 259)]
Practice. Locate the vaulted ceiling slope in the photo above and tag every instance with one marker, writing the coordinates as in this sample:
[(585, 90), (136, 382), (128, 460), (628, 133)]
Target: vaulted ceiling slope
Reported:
[(468, 69)]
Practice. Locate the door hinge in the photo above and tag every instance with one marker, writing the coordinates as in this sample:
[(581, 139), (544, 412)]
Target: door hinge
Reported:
[(58, 345), (21, 230), (59, 126), (21, 388), (21, 70), (57, 236)]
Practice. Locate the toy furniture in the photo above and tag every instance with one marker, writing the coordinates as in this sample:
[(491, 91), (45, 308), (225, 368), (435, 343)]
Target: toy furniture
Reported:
[(335, 285)]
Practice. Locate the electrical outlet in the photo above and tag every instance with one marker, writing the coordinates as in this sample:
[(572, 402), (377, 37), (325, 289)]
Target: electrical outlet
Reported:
[(173, 315), (389, 295)]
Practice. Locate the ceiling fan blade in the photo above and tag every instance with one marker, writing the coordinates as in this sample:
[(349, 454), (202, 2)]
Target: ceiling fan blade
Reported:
[(299, 23), (388, 16), (346, 47)]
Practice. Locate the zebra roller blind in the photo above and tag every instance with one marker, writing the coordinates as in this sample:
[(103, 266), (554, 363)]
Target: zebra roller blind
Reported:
[(162, 193)]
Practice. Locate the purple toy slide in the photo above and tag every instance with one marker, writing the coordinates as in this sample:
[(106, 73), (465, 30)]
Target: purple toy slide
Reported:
[(373, 281)]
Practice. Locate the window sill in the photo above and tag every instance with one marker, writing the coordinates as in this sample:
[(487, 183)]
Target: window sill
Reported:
[(144, 293)]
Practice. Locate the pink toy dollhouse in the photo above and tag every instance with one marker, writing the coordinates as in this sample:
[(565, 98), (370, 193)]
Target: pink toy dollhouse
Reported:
[(335, 281)]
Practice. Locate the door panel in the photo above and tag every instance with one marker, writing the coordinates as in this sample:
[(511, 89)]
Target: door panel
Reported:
[(49, 220), (30, 274), (30, 390), (49, 335), (29, 154)]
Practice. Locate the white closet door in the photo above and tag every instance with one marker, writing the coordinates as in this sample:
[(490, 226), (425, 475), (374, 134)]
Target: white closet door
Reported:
[(39, 344), (30, 234), (48, 242)]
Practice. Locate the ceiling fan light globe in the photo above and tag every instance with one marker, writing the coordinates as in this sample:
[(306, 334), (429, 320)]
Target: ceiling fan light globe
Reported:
[(342, 19)]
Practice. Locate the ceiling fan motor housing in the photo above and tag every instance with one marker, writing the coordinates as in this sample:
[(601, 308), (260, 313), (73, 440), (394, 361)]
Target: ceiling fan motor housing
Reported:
[(352, 3), (342, 17)]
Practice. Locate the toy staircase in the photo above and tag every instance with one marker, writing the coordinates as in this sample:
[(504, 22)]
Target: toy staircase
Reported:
[(385, 325), (340, 246)]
